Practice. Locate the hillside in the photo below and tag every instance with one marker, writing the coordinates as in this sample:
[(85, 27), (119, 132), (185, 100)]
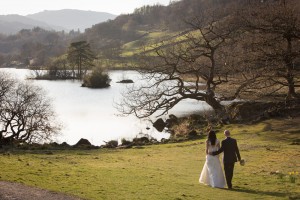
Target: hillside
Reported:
[(12, 24), (121, 39), (126, 36), (118, 39), (72, 19), (53, 20)]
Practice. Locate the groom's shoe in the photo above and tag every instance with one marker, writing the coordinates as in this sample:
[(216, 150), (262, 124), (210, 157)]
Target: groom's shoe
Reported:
[(230, 187)]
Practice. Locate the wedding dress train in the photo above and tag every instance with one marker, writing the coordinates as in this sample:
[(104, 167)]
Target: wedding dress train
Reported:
[(212, 173)]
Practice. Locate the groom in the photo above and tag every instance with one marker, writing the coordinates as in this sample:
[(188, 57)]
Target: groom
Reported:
[(231, 155)]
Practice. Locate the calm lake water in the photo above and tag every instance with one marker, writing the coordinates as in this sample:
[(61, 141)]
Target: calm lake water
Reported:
[(90, 114)]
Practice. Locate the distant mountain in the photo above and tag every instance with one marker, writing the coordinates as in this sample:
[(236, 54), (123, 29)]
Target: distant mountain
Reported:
[(11, 24), (72, 19)]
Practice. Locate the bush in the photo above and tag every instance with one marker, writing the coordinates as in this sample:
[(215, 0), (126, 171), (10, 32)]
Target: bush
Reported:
[(125, 142), (96, 79)]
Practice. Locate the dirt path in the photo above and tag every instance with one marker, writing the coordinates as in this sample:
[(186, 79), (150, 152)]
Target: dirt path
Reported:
[(16, 191)]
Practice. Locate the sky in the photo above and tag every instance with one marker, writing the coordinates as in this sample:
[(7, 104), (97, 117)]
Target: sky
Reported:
[(25, 7)]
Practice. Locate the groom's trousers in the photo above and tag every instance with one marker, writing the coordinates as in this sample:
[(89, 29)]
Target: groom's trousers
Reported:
[(228, 168)]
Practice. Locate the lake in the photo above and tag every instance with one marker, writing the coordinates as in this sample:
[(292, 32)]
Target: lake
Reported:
[(90, 113)]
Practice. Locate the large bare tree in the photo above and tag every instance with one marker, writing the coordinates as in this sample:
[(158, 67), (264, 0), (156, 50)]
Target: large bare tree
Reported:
[(273, 45), (26, 114), (197, 54)]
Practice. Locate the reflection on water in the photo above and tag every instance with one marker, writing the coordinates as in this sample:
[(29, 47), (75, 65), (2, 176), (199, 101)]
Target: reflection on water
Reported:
[(90, 114)]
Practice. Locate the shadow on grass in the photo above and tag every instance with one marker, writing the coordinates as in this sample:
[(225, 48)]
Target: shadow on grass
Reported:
[(249, 191)]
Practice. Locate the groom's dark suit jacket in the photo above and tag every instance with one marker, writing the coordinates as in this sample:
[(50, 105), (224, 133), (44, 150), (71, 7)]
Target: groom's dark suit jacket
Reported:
[(230, 149)]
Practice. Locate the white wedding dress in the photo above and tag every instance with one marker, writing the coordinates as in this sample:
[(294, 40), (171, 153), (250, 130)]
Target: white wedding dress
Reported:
[(212, 173)]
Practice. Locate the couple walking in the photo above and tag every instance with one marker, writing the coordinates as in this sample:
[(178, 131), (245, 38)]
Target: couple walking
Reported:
[(212, 173)]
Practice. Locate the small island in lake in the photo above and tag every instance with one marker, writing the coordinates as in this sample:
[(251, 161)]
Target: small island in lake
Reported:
[(126, 81)]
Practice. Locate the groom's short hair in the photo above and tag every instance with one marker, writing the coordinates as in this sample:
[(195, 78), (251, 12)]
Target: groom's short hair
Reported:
[(227, 132)]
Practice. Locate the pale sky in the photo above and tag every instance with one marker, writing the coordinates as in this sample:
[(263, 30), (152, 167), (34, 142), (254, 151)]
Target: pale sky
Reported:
[(25, 7)]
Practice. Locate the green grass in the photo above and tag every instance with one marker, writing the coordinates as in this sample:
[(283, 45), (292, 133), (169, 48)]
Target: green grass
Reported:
[(169, 171), (149, 41), (137, 46)]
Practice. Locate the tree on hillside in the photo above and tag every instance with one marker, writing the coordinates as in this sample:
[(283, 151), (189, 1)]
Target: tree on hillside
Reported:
[(199, 55), (36, 44), (81, 56), (273, 45), (26, 114)]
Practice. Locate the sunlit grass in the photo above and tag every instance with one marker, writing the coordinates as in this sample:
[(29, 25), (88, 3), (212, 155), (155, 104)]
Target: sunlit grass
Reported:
[(168, 171), (150, 41)]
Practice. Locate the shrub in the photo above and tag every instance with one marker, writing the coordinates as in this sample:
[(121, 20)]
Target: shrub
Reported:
[(125, 142), (96, 79)]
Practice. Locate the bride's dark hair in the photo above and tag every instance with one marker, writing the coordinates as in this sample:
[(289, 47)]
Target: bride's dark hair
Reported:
[(212, 137)]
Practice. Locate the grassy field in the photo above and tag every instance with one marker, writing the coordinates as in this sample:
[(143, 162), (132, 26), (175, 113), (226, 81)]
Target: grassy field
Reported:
[(169, 171)]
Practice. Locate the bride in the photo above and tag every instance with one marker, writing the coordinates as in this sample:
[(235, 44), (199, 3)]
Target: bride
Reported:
[(212, 173)]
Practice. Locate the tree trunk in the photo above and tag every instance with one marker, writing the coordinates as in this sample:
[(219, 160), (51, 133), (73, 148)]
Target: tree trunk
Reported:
[(80, 68), (291, 86), (219, 109), (289, 71)]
